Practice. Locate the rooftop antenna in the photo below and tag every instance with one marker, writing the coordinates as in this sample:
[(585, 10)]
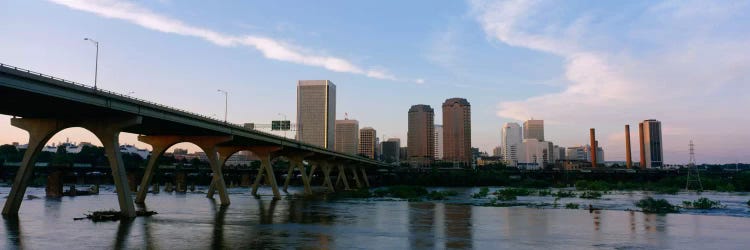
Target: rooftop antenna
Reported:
[(693, 174)]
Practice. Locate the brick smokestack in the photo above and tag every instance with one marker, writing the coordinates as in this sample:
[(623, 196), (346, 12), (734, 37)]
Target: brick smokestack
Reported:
[(593, 147), (643, 146), (628, 160)]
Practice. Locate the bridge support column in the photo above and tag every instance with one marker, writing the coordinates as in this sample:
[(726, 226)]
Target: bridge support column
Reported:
[(289, 172), (342, 176), (295, 161), (218, 178), (40, 131), (264, 153), (159, 144), (356, 177), (305, 178), (108, 133), (209, 145), (313, 167), (327, 175), (364, 176)]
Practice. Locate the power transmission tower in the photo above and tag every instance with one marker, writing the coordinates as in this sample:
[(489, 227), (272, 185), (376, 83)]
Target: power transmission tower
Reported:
[(693, 174)]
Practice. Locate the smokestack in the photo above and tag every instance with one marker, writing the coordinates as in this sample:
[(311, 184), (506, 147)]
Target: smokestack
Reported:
[(628, 160), (593, 147), (643, 146)]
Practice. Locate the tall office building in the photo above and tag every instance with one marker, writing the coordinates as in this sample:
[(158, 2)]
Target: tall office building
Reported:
[(367, 142), (533, 154), (316, 112), (438, 142), (421, 135), (583, 153), (652, 144), (533, 129), (347, 136), (457, 131), (511, 139), (391, 150), (497, 151)]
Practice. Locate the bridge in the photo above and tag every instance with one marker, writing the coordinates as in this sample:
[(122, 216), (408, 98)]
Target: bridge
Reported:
[(44, 105)]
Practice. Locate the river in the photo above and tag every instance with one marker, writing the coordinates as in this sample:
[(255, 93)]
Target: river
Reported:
[(191, 221)]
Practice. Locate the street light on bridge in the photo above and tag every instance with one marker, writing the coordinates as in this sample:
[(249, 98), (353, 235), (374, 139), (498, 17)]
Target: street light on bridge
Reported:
[(226, 103), (96, 66)]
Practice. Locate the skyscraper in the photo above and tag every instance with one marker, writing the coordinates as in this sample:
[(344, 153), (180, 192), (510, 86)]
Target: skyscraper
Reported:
[(367, 142), (438, 142), (652, 143), (511, 139), (316, 112), (421, 135), (497, 151), (347, 136), (391, 150), (533, 129), (457, 131)]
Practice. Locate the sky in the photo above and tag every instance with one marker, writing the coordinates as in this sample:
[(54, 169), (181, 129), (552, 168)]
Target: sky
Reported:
[(575, 64)]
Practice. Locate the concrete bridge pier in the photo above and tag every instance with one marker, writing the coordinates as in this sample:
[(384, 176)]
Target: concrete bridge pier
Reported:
[(209, 145), (356, 178), (54, 187), (264, 153), (342, 177), (107, 130), (295, 161), (108, 133), (326, 167), (40, 131), (364, 176)]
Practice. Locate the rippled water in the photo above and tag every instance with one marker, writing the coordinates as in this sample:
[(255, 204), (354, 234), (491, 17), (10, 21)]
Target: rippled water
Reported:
[(191, 221)]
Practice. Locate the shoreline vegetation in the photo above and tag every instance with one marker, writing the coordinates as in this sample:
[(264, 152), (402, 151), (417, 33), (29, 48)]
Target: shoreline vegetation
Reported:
[(660, 181), (507, 197)]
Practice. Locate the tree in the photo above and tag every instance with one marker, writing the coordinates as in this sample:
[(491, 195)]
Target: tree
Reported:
[(132, 160), (61, 158), (10, 153), (90, 155)]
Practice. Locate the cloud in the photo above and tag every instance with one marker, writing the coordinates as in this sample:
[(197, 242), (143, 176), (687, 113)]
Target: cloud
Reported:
[(270, 48), (659, 63)]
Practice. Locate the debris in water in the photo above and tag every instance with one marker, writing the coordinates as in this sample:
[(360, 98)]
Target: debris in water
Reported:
[(112, 215)]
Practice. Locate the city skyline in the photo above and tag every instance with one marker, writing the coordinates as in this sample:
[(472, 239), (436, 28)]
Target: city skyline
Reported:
[(573, 86)]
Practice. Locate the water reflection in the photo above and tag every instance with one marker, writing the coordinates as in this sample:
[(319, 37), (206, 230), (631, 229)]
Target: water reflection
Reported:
[(432, 225), (189, 222), (421, 220), (266, 215), (458, 228), (217, 238), (13, 232), (123, 230)]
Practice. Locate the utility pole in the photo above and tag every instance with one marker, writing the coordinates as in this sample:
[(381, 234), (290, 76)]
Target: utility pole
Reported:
[(96, 65), (226, 103)]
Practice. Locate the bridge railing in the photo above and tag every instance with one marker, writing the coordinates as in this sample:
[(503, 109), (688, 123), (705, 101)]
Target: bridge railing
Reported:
[(111, 92), (168, 108)]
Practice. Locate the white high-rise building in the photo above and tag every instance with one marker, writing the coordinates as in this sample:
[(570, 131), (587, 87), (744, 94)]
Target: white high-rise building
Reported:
[(533, 154), (511, 141), (438, 142)]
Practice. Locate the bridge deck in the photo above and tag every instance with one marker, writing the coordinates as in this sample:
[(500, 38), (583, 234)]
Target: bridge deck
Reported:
[(28, 94)]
